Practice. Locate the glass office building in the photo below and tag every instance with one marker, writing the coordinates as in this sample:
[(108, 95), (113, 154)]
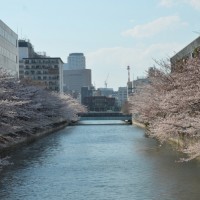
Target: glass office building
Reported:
[(76, 61)]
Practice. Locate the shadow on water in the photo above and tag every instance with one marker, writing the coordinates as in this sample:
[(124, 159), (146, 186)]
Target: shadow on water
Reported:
[(34, 149)]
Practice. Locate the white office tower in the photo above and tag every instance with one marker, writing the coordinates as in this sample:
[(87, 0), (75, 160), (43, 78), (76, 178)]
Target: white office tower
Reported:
[(9, 50), (76, 61)]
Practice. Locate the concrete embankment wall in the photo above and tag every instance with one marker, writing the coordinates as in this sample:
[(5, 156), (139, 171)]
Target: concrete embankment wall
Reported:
[(179, 142), (139, 124), (175, 140), (9, 140)]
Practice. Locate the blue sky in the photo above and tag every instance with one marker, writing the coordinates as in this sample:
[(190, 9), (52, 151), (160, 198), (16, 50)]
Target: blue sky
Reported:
[(111, 33)]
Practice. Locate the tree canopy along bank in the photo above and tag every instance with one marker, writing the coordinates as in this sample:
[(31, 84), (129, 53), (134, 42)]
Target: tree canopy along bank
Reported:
[(170, 104), (26, 107)]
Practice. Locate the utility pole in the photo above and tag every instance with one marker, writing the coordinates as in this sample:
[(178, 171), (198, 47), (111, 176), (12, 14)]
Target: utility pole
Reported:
[(128, 68), (129, 84)]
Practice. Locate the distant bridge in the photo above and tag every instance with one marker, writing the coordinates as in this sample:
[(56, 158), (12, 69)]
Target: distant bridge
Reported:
[(105, 116)]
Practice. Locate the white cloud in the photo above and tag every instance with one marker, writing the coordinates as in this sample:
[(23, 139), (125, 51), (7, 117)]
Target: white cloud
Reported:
[(194, 3), (113, 61), (166, 3), (154, 27)]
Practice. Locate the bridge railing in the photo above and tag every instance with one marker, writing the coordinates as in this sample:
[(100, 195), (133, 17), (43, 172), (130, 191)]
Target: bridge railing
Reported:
[(105, 116), (99, 114)]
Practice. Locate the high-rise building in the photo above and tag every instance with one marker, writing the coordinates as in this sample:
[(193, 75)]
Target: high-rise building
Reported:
[(76, 61), (75, 74), (74, 80), (9, 50), (122, 95)]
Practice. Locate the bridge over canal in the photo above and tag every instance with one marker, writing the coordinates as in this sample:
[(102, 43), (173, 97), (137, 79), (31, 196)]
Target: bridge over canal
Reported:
[(105, 116)]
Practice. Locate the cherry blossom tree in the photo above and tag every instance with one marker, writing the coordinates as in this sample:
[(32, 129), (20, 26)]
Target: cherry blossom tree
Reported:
[(170, 104), (26, 108)]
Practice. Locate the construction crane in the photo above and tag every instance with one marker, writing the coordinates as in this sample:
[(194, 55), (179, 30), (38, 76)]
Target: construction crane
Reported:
[(106, 83)]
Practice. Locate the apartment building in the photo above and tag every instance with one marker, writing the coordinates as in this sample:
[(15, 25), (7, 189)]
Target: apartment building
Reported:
[(38, 67), (45, 70)]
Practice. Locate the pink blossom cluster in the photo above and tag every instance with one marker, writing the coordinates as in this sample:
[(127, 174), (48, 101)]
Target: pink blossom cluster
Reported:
[(170, 104), (26, 107)]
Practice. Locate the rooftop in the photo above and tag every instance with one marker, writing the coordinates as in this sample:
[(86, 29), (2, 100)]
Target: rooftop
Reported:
[(47, 58), (76, 54)]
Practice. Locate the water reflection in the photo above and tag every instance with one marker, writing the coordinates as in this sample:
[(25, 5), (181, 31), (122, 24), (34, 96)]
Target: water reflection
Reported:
[(98, 162)]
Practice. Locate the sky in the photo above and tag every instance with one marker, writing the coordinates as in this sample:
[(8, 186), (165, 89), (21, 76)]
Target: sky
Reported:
[(112, 34)]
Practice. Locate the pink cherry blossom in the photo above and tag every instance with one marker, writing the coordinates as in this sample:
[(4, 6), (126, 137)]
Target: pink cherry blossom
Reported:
[(170, 105)]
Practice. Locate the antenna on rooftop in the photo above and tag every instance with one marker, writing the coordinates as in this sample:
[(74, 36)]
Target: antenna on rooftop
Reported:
[(106, 81)]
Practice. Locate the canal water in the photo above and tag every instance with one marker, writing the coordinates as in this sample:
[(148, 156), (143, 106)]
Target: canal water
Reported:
[(98, 162)]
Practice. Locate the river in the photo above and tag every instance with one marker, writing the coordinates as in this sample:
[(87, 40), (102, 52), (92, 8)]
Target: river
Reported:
[(98, 162)]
